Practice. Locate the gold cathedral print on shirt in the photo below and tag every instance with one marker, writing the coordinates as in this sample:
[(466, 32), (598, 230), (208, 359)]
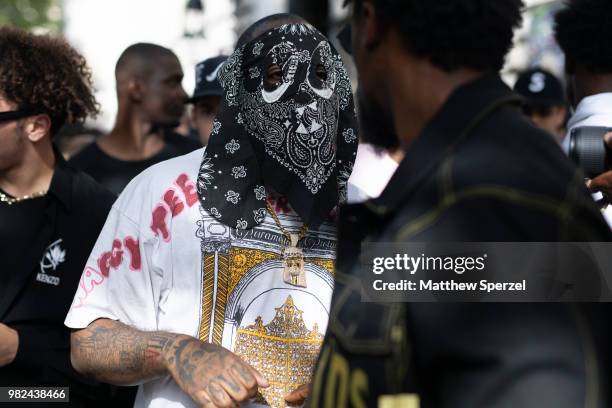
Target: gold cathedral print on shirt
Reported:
[(284, 351), (248, 307)]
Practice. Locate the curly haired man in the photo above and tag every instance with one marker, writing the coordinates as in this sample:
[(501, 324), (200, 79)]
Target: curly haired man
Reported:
[(50, 214)]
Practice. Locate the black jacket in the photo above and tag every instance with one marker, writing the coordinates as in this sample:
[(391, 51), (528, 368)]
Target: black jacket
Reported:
[(478, 172), (39, 282)]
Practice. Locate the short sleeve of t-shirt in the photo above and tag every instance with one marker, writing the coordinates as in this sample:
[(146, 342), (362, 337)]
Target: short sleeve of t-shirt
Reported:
[(124, 275)]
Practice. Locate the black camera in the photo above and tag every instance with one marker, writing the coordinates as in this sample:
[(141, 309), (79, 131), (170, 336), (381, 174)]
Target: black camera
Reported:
[(588, 150)]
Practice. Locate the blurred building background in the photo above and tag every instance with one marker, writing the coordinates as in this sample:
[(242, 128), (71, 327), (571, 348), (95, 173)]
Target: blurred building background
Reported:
[(198, 29)]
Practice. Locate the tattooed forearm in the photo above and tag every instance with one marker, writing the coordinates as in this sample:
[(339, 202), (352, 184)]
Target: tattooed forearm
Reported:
[(118, 354)]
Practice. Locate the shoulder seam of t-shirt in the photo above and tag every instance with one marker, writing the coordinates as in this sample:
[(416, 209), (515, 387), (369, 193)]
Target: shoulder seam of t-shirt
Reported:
[(123, 214)]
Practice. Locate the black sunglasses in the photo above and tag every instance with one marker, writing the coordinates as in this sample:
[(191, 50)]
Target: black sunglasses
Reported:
[(15, 115)]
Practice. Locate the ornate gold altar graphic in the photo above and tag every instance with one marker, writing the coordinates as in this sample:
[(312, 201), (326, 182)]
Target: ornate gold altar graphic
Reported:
[(284, 351), (230, 270)]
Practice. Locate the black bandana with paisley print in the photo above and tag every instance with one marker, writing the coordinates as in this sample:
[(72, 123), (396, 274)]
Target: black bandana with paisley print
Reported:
[(298, 137)]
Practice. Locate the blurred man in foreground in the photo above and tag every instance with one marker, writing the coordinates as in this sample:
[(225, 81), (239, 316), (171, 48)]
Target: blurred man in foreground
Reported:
[(206, 96), (544, 103), (151, 101), (475, 170), (50, 214)]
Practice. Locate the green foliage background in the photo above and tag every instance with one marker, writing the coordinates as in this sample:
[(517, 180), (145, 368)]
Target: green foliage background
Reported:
[(31, 14)]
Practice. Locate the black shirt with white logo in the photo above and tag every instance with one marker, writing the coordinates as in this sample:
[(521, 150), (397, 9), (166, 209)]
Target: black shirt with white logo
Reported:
[(44, 244), (19, 226), (115, 174)]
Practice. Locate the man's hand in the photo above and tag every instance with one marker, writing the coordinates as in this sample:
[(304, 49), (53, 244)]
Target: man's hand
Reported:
[(211, 375), (298, 396), (603, 182), (9, 344)]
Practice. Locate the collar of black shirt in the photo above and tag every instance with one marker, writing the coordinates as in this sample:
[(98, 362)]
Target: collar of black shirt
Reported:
[(62, 180), (465, 108)]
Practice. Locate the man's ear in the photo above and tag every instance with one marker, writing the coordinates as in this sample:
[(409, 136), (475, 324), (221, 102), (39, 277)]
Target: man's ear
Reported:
[(37, 127), (135, 89)]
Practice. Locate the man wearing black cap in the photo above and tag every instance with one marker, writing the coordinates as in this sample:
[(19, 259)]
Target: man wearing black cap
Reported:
[(544, 103), (206, 96), (582, 30)]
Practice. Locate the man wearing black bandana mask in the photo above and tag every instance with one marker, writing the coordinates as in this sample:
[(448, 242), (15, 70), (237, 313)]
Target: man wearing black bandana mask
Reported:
[(224, 258)]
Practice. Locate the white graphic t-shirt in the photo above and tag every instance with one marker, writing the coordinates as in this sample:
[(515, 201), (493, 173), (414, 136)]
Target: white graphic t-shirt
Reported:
[(162, 263)]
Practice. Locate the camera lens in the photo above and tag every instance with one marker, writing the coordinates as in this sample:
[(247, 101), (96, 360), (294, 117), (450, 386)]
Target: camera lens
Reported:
[(588, 150)]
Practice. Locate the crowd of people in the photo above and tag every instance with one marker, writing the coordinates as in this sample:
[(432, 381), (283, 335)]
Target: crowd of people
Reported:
[(210, 257)]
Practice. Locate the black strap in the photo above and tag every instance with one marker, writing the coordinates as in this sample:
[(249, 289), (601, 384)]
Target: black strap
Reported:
[(16, 114)]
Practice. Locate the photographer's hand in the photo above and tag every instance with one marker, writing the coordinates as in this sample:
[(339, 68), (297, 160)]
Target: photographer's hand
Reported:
[(603, 182)]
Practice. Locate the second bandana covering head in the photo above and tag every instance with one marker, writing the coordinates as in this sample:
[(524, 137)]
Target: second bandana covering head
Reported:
[(298, 136)]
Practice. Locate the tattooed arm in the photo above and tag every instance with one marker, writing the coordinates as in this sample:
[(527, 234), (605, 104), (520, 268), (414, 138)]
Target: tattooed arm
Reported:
[(118, 354)]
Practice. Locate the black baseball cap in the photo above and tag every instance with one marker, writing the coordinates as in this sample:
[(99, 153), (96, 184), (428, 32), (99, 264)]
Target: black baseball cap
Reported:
[(540, 87), (207, 78)]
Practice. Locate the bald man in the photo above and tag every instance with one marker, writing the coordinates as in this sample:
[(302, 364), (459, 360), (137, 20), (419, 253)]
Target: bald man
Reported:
[(151, 101)]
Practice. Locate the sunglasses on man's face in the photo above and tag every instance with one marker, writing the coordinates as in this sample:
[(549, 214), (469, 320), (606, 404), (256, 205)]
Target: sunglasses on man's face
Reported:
[(15, 115)]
